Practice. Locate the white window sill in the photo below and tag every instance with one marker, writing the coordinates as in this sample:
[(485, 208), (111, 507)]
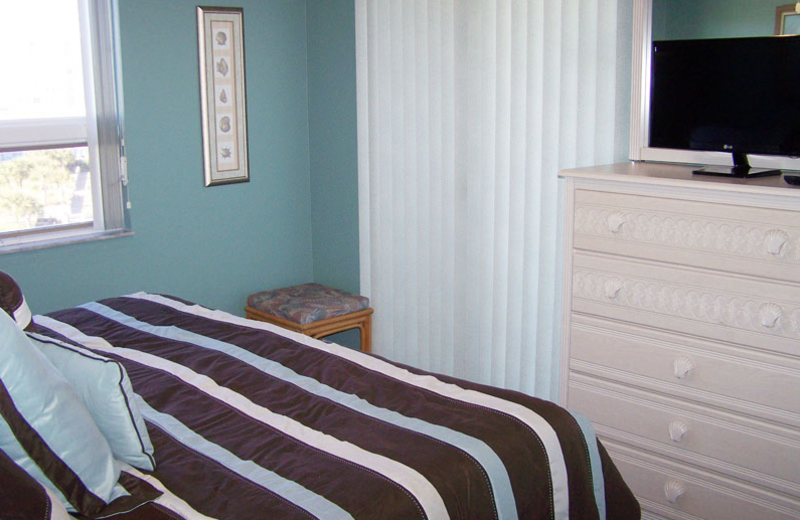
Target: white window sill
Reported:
[(93, 236)]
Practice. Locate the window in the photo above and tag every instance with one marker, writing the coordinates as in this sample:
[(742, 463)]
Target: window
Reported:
[(61, 149)]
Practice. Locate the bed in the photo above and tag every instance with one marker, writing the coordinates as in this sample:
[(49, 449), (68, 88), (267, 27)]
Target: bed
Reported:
[(237, 419)]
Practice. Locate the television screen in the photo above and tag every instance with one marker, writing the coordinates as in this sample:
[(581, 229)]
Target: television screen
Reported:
[(738, 95)]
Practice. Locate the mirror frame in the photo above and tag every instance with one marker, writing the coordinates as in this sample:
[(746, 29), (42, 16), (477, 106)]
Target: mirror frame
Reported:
[(640, 107)]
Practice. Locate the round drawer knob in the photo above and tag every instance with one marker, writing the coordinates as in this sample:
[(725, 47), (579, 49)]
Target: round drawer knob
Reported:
[(673, 490), (677, 429), (612, 287), (615, 221), (682, 366), (776, 242), (770, 315)]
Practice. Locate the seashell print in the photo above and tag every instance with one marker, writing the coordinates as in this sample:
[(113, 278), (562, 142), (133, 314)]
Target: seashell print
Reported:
[(223, 96), (226, 153), (222, 67), (221, 38), (225, 124)]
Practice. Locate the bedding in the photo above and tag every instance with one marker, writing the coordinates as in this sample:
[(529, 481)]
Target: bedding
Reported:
[(249, 420), (23, 497), (47, 431), (13, 302), (105, 389)]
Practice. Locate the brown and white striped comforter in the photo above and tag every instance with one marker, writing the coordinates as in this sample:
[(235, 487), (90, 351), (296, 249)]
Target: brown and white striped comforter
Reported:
[(250, 421)]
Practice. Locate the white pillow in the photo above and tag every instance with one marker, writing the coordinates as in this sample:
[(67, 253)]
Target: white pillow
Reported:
[(46, 429), (106, 390)]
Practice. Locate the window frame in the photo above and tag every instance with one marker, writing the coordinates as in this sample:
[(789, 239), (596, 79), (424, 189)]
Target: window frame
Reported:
[(101, 131)]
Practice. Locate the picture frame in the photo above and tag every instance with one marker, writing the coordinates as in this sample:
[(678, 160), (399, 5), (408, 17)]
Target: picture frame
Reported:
[(223, 104), (787, 19)]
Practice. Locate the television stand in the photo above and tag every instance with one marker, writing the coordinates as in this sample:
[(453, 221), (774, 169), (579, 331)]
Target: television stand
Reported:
[(741, 168)]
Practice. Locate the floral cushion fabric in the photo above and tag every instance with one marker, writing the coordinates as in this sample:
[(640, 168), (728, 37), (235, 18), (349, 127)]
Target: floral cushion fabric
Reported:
[(307, 303)]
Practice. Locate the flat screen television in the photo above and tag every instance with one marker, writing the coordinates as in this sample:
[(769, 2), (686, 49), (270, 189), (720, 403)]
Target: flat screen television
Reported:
[(736, 95)]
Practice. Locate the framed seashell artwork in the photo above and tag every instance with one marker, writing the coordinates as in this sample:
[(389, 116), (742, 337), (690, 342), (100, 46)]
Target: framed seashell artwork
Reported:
[(223, 107)]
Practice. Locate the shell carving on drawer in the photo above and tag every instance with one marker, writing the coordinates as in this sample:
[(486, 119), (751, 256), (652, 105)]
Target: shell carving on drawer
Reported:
[(795, 320), (777, 242), (735, 311), (750, 240)]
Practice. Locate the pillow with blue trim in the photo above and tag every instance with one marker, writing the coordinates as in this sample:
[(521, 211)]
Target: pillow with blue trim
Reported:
[(106, 390), (47, 431)]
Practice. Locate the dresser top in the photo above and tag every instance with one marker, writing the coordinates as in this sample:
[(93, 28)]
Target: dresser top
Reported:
[(681, 175)]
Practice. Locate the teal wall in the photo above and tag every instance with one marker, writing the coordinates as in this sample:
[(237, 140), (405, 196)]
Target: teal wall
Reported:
[(333, 147), (216, 245), (681, 19), (333, 136)]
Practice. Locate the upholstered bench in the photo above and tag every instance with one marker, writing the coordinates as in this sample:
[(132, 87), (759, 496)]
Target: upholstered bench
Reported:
[(314, 310)]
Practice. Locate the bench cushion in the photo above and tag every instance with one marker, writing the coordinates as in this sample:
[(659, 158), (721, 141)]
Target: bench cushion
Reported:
[(307, 303)]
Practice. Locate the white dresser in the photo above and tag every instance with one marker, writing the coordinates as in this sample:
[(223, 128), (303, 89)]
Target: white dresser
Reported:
[(681, 337)]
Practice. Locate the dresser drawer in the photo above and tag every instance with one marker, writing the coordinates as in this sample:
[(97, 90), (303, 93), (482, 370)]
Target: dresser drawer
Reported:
[(692, 436), (725, 237), (680, 495), (681, 338), (761, 389), (755, 313)]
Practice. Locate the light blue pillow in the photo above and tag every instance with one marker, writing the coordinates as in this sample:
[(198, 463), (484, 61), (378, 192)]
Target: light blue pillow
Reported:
[(106, 390), (46, 429)]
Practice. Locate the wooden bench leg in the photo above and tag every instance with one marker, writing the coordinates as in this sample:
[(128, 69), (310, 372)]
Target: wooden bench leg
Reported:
[(366, 335)]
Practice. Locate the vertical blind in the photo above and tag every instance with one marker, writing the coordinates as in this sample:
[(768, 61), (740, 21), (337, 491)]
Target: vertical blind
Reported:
[(467, 109)]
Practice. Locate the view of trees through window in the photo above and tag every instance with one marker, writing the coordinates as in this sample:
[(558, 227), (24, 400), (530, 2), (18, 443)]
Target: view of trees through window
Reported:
[(45, 177), (44, 188)]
